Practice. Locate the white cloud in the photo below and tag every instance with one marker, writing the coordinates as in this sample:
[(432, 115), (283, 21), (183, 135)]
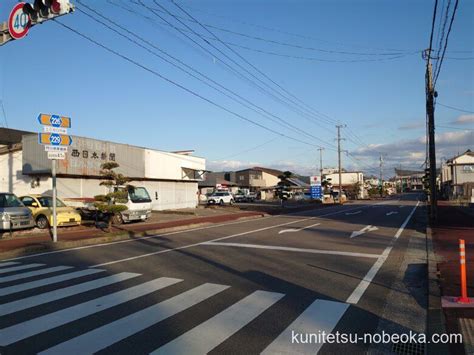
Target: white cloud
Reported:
[(464, 120), (413, 125)]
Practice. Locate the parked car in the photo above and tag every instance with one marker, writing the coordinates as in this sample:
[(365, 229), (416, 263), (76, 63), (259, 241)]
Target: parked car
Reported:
[(42, 208), (13, 213), (138, 204), (221, 198)]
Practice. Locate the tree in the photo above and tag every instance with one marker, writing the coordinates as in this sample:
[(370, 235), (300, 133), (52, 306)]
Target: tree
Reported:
[(354, 190), (283, 190), (326, 184), (112, 203)]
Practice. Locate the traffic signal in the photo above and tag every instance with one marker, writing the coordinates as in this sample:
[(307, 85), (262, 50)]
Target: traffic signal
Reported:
[(41, 10)]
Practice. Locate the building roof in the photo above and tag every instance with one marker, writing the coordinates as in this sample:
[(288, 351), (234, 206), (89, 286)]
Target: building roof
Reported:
[(298, 183), (467, 152), (402, 172), (214, 179), (11, 136), (269, 171)]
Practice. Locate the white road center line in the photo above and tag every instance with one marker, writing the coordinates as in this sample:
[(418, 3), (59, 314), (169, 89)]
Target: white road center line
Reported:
[(366, 281), (352, 213), (300, 250), (41, 324), (206, 336), (297, 230), (321, 316), (42, 298), (214, 240), (122, 328), (177, 232), (25, 275)]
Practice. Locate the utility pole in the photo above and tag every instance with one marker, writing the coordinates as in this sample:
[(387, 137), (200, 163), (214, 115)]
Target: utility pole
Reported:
[(321, 162), (339, 158), (430, 95), (381, 176)]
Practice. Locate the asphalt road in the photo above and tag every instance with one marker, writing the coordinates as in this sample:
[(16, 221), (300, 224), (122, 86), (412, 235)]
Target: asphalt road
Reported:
[(242, 287)]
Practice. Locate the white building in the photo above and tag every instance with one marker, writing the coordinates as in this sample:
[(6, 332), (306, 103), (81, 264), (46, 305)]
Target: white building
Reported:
[(348, 180), (170, 178), (457, 176)]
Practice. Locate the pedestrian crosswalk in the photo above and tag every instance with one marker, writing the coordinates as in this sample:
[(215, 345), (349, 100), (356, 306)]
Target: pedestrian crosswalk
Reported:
[(27, 292)]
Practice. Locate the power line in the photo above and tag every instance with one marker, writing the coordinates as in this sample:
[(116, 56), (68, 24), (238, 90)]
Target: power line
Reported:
[(446, 43), (327, 118), (454, 108), (289, 125), (151, 71)]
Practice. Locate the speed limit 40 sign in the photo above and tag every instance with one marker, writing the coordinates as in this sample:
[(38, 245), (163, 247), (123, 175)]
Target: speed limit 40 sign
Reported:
[(18, 22)]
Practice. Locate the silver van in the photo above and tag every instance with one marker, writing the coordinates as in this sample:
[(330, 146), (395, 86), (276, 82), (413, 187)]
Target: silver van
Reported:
[(13, 213)]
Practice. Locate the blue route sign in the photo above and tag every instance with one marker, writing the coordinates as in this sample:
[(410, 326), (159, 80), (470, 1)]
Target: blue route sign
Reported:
[(316, 192)]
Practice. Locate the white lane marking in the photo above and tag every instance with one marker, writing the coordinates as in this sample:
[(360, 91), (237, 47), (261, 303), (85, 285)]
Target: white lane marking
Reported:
[(25, 275), (390, 213), (41, 324), (214, 240), (8, 264), (206, 336), (48, 281), (366, 281), (33, 301), (177, 232), (122, 328), (352, 213), (301, 250), (321, 316), (18, 268), (297, 230), (364, 230)]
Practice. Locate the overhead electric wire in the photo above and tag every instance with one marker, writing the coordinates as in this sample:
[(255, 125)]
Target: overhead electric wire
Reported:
[(287, 124), (446, 42), (454, 108), (329, 119), (285, 101), (154, 72), (441, 31)]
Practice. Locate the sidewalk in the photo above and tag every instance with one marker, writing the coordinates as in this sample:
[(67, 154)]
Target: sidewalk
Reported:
[(454, 223)]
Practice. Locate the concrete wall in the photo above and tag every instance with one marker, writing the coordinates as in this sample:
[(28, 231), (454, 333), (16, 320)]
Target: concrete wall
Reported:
[(171, 166), (270, 180)]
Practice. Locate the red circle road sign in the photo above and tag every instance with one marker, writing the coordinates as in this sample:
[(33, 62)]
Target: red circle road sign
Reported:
[(18, 22)]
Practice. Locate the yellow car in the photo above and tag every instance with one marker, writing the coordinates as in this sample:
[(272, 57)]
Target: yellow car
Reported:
[(42, 208)]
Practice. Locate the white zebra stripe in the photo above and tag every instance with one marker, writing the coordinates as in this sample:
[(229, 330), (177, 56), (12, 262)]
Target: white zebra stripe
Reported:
[(18, 268), (206, 336), (25, 275), (320, 316), (48, 281), (25, 303), (9, 263), (111, 333), (41, 324)]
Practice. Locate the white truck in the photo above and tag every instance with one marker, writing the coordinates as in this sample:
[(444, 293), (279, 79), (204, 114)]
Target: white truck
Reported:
[(138, 206)]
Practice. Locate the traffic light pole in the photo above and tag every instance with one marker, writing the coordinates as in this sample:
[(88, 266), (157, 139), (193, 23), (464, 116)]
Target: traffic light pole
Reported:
[(55, 216), (339, 159), (430, 95), (321, 162)]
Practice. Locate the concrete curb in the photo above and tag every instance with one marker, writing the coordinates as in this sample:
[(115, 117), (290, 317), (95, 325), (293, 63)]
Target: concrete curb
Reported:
[(44, 246), (436, 323)]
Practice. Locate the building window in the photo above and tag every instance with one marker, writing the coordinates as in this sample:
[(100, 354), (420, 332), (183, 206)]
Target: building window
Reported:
[(241, 178)]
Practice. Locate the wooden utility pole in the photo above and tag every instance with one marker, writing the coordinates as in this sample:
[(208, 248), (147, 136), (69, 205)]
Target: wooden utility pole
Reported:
[(381, 176), (430, 95), (339, 159)]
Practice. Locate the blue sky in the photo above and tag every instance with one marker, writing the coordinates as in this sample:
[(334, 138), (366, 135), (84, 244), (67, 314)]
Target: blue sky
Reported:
[(382, 102)]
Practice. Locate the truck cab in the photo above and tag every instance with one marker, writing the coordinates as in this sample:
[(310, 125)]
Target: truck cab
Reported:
[(138, 204)]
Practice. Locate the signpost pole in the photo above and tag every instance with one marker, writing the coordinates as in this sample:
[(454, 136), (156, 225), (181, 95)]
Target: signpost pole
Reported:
[(55, 221)]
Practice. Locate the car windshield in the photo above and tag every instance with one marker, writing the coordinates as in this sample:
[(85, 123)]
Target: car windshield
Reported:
[(139, 194), (47, 201), (10, 200)]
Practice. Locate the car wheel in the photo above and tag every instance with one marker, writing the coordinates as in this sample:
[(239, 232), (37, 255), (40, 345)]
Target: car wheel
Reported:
[(231, 202), (42, 222), (221, 202), (117, 219)]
